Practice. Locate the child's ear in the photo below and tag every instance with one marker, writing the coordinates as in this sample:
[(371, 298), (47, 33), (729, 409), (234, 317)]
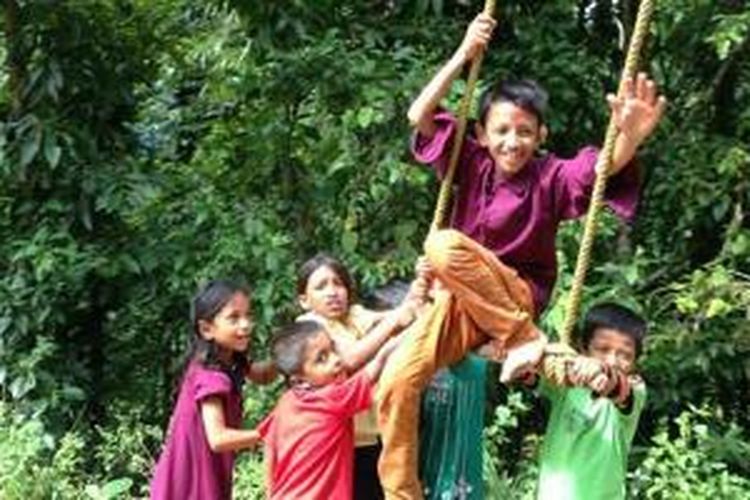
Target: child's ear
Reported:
[(205, 329), (481, 134), (304, 302), (543, 133)]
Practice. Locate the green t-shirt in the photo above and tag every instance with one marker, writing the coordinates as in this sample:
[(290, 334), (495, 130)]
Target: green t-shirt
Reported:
[(586, 446), (450, 434)]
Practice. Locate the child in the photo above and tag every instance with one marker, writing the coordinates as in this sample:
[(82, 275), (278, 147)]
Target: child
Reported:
[(585, 450), (498, 264), (309, 436), (325, 291), (205, 428)]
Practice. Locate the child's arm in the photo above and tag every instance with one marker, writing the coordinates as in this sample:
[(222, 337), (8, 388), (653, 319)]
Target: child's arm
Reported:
[(220, 437), (636, 112), (261, 372), (357, 353), (419, 294), (354, 354), (422, 110)]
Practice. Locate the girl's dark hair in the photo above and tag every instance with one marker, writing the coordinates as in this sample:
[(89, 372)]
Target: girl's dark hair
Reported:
[(526, 94), (289, 344), (615, 317), (324, 260), (207, 303)]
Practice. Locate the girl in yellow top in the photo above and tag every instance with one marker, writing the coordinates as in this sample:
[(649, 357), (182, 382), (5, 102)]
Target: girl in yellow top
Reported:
[(326, 292)]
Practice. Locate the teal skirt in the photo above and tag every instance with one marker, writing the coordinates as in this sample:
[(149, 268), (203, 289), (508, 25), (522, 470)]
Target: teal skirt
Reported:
[(452, 419)]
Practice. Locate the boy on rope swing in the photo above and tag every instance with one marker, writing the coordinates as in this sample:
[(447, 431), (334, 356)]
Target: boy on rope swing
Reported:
[(497, 268)]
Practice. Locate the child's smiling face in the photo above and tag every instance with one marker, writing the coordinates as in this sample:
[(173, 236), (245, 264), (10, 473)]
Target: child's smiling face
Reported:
[(511, 135), (230, 328)]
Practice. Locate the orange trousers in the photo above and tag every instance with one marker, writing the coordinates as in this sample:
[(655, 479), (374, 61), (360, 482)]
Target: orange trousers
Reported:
[(483, 300)]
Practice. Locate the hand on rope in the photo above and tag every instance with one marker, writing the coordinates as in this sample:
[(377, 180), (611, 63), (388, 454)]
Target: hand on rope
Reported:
[(592, 373), (477, 37), (420, 289)]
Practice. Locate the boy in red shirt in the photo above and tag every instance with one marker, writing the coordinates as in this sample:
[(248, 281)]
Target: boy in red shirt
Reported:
[(309, 436)]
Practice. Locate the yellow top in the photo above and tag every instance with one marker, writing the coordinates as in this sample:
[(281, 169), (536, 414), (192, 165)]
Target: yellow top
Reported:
[(356, 325)]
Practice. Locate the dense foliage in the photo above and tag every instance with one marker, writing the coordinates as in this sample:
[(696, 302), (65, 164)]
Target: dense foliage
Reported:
[(148, 145)]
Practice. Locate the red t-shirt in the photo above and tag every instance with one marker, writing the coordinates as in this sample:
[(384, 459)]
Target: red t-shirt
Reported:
[(309, 440)]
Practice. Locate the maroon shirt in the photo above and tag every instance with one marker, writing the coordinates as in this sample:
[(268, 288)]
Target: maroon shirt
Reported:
[(517, 217)]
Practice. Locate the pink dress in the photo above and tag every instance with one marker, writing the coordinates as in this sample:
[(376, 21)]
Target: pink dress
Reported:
[(187, 468)]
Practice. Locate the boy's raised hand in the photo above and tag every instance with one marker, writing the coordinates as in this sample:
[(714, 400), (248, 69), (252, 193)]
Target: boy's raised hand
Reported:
[(638, 109), (478, 35)]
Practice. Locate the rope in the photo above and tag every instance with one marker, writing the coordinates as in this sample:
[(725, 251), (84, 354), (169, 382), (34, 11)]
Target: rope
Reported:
[(603, 165), (556, 363), (443, 201)]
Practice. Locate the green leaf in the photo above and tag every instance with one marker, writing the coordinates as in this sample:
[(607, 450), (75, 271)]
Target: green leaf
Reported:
[(117, 487), (349, 240), (365, 117), (30, 148), (717, 307), (5, 322), (52, 151), (21, 386), (94, 491)]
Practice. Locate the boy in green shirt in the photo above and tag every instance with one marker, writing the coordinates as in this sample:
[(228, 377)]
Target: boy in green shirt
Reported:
[(591, 426)]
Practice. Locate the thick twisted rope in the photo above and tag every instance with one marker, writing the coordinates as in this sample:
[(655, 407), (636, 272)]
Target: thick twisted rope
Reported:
[(603, 165), (444, 197)]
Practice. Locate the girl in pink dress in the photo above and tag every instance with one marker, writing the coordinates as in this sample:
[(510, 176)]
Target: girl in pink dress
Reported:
[(205, 430)]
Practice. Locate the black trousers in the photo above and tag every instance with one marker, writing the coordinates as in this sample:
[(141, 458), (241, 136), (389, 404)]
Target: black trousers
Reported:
[(366, 481)]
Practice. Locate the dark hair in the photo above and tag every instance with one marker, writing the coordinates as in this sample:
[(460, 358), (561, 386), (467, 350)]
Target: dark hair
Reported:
[(615, 317), (526, 94), (207, 303), (289, 344), (324, 260)]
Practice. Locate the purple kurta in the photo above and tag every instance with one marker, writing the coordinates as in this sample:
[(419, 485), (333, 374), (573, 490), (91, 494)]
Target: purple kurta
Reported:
[(517, 217), (187, 468)]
